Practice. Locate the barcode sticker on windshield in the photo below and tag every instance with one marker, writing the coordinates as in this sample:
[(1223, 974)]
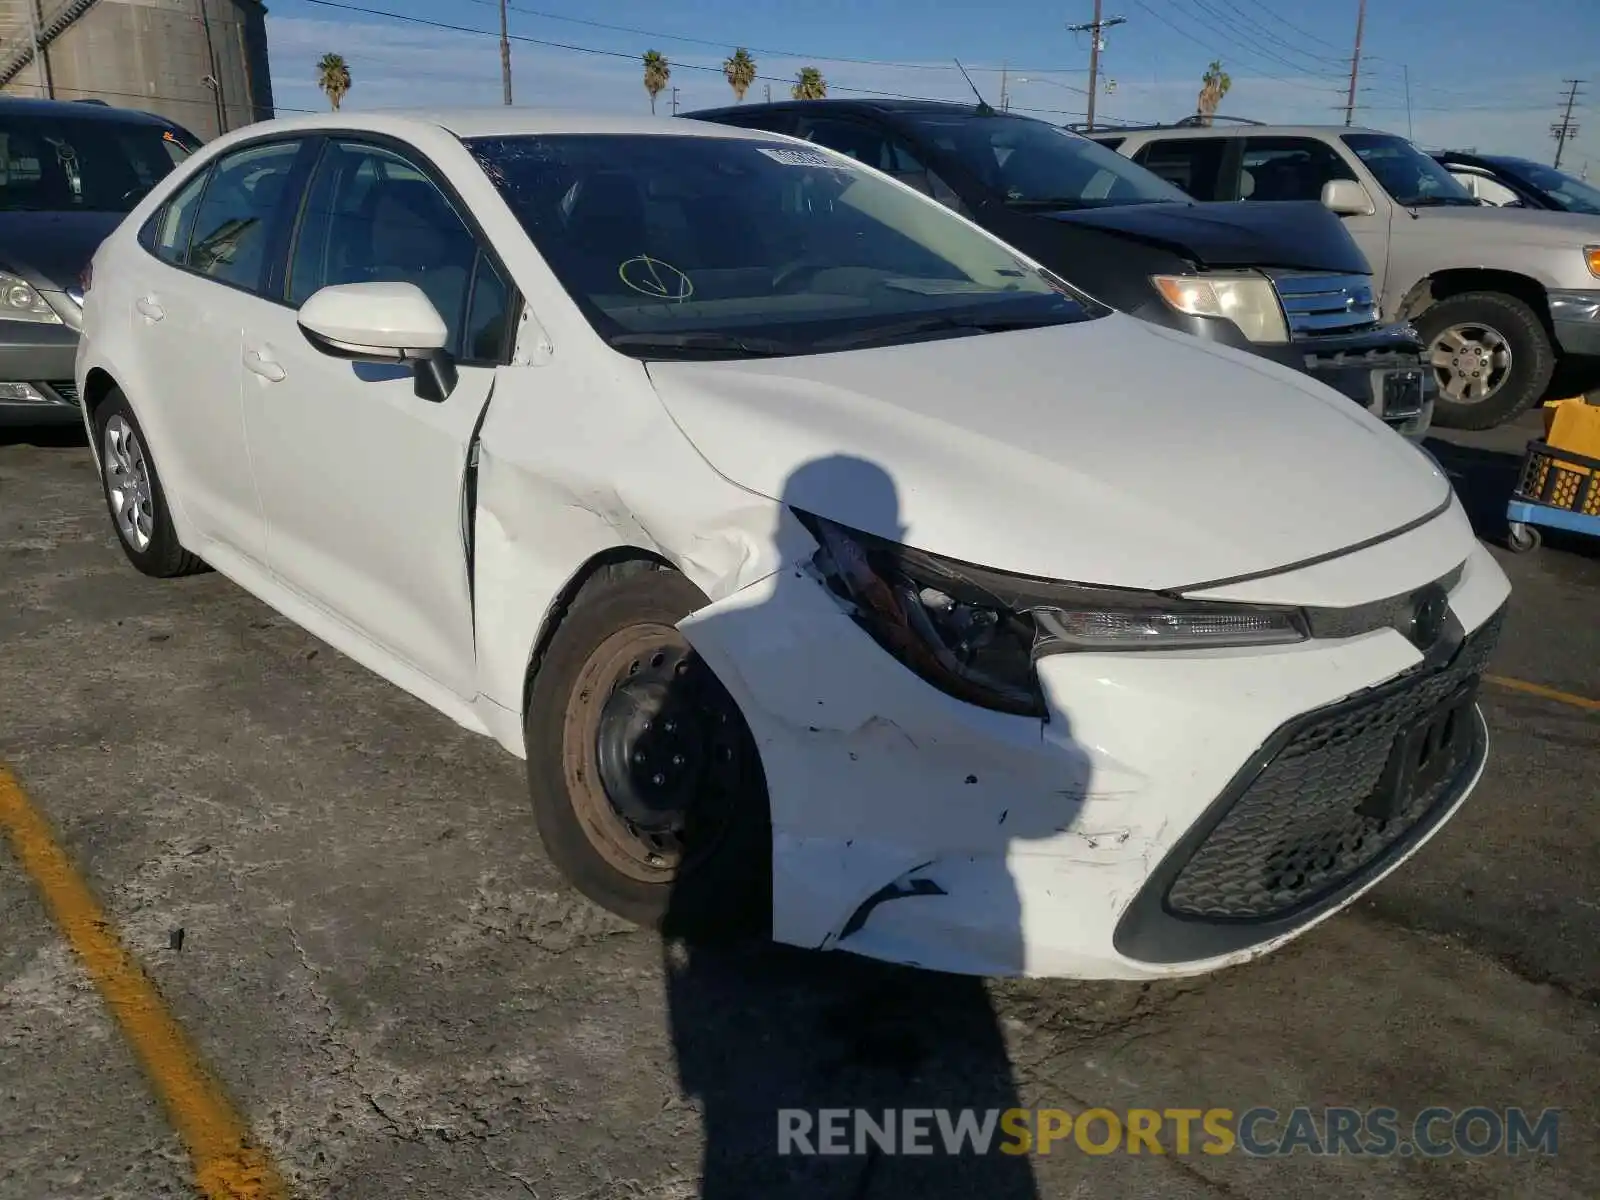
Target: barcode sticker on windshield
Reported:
[(801, 158)]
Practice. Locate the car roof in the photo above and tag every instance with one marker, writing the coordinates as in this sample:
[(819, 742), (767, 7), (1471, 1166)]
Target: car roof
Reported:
[(83, 110), (1204, 131), (496, 121), (874, 105)]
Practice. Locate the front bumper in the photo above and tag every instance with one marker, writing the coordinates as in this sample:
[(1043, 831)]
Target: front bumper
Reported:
[(39, 358), (910, 827), (1576, 320)]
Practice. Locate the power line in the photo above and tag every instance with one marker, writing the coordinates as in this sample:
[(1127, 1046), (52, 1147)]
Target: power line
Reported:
[(1263, 31), (1298, 29), (1564, 129), (1231, 27), (1211, 48), (625, 55)]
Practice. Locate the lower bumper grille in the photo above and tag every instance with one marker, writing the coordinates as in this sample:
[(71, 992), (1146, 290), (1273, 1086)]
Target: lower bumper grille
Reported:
[(1294, 837), (66, 389)]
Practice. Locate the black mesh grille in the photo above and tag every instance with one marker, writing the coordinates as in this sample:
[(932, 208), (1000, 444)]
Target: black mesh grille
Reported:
[(1296, 833), (64, 388)]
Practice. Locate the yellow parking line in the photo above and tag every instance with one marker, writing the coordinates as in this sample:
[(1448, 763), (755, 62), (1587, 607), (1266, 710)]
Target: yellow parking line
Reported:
[(1548, 693), (226, 1165)]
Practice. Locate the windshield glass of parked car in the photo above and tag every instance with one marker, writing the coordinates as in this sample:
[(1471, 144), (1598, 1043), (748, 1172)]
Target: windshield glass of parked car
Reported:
[(689, 246), (1036, 165), (1573, 195), (56, 164), (1406, 173)]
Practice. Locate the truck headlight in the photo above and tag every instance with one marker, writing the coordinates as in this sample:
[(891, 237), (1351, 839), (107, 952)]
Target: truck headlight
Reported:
[(1246, 299), (19, 302), (976, 634)]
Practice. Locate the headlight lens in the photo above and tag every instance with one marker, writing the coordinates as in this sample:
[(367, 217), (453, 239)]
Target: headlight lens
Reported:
[(19, 302), (1248, 300), (976, 634), (1591, 255)]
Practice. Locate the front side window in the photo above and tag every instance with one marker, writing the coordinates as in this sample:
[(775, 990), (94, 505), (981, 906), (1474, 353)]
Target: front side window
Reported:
[(74, 164), (371, 216), (1289, 169), (232, 228), (735, 246), (1409, 176), (1033, 164)]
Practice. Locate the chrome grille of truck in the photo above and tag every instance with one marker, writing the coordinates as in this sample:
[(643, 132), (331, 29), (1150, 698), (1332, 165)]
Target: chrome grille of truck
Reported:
[(1318, 304)]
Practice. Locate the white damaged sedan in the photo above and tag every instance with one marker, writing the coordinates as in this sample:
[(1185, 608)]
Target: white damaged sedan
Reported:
[(839, 572)]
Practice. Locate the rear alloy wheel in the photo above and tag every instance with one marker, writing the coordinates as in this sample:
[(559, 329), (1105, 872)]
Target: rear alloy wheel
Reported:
[(646, 785), (134, 496), (1491, 356)]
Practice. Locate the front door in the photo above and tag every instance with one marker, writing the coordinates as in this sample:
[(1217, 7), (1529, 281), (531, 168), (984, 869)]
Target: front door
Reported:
[(361, 479)]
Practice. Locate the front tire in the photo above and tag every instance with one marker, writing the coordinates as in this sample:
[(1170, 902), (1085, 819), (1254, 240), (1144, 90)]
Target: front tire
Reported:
[(134, 496), (645, 780), (1492, 357)]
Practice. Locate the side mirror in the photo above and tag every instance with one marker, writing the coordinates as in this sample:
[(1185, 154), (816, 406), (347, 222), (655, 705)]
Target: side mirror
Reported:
[(1347, 198), (383, 323)]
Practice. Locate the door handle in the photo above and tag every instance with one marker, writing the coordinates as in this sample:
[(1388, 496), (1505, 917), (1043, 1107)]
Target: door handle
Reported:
[(148, 307), (263, 366)]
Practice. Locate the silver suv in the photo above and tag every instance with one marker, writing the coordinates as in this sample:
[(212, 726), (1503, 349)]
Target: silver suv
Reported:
[(1502, 297)]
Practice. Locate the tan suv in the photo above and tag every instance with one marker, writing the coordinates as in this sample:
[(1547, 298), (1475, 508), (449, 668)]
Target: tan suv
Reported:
[(1502, 297)]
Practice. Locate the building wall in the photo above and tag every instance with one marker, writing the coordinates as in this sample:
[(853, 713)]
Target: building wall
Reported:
[(155, 55)]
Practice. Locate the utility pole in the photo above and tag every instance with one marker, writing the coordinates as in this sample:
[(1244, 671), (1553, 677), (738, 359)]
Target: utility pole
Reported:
[(674, 101), (213, 80), (1564, 130), (1355, 65), (1409, 135), (769, 92), (1005, 101), (505, 55), (1095, 28)]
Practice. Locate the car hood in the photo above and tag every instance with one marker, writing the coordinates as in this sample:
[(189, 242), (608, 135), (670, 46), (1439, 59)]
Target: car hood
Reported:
[(1299, 234), (1529, 226), (51, 249), (1110, 451)]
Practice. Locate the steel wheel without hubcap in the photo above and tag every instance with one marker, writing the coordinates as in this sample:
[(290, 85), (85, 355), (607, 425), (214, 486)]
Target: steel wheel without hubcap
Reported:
[(652, 754), (128, 483), (1472, 362)]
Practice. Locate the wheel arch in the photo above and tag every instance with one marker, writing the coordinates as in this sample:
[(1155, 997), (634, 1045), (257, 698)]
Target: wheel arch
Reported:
[(614, 562), (1457, 281), (97, 385)]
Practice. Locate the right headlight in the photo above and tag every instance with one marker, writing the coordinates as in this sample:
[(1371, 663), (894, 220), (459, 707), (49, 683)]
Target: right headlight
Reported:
[(976, 634), (20, 302), (1245, 298)]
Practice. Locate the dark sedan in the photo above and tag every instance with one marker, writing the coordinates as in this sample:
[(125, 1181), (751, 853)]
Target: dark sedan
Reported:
[(73, 170), (1530, 184)]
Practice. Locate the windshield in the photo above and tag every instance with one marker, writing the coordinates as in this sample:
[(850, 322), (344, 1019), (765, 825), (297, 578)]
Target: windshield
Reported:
[(694, 246), (1406, 173), (56, 164), (1573, 195), (1036, 165)]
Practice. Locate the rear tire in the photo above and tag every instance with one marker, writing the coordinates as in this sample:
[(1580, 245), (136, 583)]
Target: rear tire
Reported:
[(134, 495), (1457, 329), (646, 784)]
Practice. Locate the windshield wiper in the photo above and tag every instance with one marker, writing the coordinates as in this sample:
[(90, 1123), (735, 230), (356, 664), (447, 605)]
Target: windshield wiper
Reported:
[(885, 334), (1441, 202), (1059, 202), (694, 344)]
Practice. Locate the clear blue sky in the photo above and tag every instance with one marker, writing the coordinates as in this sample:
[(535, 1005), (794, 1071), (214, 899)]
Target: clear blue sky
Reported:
[(1483, 73)]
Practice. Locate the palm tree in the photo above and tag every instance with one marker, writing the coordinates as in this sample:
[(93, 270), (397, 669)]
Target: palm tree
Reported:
[(740, 70), (809, 85), (657, 71), (1214, 85), (333, 77)]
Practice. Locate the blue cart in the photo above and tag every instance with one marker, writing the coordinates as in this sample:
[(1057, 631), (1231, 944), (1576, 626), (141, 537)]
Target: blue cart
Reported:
[(1558, 489)]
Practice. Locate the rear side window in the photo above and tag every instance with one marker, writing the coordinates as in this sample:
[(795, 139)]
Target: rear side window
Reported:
[(175, 223), (52, 163), (1194, 164), (234, 223)]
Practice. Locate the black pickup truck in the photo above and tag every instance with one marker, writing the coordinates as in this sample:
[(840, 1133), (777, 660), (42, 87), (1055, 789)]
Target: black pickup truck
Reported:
[(1284, 280)]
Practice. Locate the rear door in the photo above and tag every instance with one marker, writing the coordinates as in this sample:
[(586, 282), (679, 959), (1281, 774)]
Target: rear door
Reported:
[(209, 253), (361, 479)]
